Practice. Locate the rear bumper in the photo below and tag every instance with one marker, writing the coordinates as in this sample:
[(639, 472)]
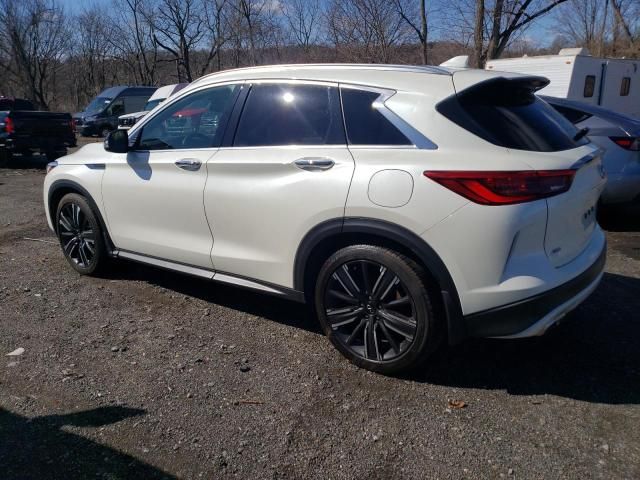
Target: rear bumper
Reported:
[(17, 144), (534, 315)]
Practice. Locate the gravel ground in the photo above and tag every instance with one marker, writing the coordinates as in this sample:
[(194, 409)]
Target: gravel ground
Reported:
[(149, 374)]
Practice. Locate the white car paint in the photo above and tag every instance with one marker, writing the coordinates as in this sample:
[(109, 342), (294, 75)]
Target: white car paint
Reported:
[(241, 217)]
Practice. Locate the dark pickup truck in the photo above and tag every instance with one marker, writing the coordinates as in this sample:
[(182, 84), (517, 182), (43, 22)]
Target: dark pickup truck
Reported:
[(24, 130)]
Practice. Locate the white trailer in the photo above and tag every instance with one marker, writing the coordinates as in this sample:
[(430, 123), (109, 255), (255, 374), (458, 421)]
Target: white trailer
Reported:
[(612, 83)]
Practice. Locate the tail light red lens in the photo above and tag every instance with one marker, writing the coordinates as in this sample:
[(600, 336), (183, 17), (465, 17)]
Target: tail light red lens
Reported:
[(8, 125), (505, 188), (628, 143)]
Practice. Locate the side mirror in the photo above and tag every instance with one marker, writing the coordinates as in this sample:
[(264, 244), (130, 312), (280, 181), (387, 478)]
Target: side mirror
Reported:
[(117, 142)]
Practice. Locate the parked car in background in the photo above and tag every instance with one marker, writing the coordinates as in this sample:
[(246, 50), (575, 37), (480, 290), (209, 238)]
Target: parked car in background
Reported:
[(101, 115), (408, 205), (127, 121), (618, 135), (23, 130)]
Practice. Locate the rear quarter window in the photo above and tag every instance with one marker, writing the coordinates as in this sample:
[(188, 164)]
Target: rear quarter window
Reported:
[(365, 124), (508, 114)]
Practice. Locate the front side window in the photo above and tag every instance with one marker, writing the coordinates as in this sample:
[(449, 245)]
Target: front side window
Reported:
[(196, 121), (365, 124), (116, 107), (589, 86), (625, 86), (290, 115)]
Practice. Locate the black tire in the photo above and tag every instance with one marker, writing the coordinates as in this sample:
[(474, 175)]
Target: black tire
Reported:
[(80, 234), (357, 313)]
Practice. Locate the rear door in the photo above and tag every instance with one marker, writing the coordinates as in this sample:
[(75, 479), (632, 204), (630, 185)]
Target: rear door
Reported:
[(286, 170)]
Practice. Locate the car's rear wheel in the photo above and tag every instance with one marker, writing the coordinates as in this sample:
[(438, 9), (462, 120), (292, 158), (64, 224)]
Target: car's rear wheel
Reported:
[(374, 306), (80, 234)]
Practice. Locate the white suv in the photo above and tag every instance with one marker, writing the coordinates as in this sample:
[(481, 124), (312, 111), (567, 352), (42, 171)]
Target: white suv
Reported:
[(407, 204)]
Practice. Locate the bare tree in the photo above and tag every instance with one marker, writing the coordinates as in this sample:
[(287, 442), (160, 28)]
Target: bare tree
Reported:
[(92, 53), (134, 39), (366, 29), (303, 19), (34, 39), (478, 35), (421, 29), (218, 34), (180, 26), (584, 22), (623, 24)]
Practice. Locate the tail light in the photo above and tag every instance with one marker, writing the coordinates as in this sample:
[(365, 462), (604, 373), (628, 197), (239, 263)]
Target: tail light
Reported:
[(505, 188), (628, 143), (8, 125)]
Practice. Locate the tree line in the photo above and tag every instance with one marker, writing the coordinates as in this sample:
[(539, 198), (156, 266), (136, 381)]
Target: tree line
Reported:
[(60, 60)]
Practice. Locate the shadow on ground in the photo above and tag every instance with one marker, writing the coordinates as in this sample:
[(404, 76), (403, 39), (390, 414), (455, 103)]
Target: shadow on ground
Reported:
[(593, 356), (39, 448), (620, 218), (276, 309)]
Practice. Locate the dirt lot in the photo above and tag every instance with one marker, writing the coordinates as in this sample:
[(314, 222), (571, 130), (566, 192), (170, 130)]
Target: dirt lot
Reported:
[(148, 374)]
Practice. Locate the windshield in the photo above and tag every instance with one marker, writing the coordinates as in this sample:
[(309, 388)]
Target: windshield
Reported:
[(151, 104), (97, 105)]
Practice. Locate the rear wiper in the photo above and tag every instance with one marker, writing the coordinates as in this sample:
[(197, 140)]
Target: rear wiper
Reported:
[(581, 133)]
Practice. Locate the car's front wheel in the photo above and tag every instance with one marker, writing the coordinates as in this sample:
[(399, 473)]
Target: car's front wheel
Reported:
[(375, 308), (80, 234)]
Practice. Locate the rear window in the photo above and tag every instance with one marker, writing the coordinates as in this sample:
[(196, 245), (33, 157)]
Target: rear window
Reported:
[(589, 86), (625, 86), (571, 114), (508, 114)]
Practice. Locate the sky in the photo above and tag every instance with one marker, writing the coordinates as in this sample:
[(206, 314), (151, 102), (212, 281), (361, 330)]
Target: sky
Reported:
[(541, 32)]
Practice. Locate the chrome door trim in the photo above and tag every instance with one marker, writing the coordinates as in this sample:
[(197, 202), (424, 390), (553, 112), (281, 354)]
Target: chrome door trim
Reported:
[(189, 164)]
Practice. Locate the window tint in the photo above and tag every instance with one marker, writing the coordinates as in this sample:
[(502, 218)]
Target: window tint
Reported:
[(571, 114), (365, 124), (625, 86), (290, 115), (589, 85), (196, 121), (507, 113)]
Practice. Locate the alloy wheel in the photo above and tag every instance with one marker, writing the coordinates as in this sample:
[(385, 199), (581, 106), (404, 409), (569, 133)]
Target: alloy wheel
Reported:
[(370, 310), (76, 235)]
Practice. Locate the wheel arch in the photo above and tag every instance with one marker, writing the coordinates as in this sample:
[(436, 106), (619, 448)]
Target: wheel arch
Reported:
[(327, 237), (59, 189)]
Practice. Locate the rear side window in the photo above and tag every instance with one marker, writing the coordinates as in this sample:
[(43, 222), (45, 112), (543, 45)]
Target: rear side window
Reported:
[(589, 86), (625, 86), (365, 124), (290, 115), (508, 114)]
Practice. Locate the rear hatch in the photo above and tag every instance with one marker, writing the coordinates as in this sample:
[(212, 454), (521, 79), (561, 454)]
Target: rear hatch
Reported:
[(504, 111)]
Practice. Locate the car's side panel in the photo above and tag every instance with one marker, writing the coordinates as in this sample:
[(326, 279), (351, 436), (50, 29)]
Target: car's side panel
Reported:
[(155, 208), (260, 205)]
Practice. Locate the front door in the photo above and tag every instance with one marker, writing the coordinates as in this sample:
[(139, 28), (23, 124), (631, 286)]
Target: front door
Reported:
[(153, 195)]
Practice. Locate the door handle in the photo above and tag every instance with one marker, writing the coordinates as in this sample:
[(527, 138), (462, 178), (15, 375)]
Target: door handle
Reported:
[(314, 164), (189, 164)]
